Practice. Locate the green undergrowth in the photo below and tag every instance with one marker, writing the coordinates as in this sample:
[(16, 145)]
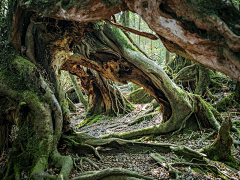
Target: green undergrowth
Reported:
[(228, 102)]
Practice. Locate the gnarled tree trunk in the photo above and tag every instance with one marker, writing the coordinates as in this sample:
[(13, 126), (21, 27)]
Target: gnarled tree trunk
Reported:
[(33, 87), (103, 95)]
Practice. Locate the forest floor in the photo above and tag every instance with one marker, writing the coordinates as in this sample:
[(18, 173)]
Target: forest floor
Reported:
[(140, 160)]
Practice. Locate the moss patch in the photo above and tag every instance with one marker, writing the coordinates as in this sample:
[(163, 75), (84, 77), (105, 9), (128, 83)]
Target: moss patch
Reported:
[(227, 102), (140, 96)]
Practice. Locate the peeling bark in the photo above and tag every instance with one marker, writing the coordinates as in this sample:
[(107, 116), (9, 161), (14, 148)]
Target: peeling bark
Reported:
[(200, 30)]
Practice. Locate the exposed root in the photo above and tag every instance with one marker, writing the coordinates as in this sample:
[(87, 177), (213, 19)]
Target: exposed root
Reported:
[(175, 173), (63, 162), (142, 118), (212, 167), (71, 105), (93, 175), (80, 160), (200, 108), (42, 175), (76, 166), (210, 135), (96, 154)]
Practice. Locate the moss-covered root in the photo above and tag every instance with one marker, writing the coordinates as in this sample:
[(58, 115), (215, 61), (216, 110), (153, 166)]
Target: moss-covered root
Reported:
[(220, 150), (71, 105), (204, 164), (63, 162), (166, 127), (79, 92), (112, 173), (38, 169), (80, 160), (174, 173), (139, 96)]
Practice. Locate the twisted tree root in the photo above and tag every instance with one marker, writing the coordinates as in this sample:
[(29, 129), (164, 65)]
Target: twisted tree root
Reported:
[(93, 175), (85, 159)]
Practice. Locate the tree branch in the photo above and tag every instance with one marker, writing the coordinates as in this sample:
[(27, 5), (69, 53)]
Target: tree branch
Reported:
[(140, 33)]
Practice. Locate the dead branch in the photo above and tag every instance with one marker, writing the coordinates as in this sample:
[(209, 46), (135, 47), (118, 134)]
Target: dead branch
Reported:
[(140, 33)]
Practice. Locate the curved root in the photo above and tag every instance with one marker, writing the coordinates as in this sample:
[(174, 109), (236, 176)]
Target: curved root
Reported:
[(92, 175), (75, 160), (63, 162)]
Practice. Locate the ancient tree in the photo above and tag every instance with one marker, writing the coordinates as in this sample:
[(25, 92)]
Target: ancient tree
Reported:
[(103, 95), (45, 36)]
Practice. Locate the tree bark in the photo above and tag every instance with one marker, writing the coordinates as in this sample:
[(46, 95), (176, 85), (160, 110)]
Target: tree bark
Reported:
[(200, 30), (121, 62), (167, 56), (103, 95), (78, 91)]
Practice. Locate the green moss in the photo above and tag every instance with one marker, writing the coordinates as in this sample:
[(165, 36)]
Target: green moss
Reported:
[(97, 25), (90, 120), (18, 73), (107, 118), (233, 163), (195, 136), (140, 96), (197, 170), (95, 119), (120, 36), (227, 102)]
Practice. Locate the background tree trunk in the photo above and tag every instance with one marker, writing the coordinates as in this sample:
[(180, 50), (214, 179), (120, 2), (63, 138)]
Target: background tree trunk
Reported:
[(78, 92), (167, 56)]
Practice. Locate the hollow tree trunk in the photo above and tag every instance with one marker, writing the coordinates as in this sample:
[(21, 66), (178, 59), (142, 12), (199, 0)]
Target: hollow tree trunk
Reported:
[(103, 95)]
